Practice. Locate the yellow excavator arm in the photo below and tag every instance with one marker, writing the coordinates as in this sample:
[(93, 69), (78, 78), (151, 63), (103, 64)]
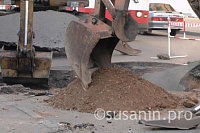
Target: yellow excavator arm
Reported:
[(79, 3)]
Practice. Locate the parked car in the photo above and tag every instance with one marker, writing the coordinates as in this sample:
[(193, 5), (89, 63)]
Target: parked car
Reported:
[(158, 14)]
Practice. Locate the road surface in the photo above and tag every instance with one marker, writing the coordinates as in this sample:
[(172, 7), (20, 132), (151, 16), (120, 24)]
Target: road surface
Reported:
[(22, 114)]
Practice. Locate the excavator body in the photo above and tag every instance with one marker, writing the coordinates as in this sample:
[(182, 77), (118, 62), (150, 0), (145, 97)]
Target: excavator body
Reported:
[(24, 64), (90, 41)]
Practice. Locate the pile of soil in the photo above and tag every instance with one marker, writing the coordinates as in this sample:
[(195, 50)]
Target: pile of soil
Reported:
[(114, 88)]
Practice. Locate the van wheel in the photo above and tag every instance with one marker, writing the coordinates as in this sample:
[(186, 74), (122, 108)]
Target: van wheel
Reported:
[(173, 32)]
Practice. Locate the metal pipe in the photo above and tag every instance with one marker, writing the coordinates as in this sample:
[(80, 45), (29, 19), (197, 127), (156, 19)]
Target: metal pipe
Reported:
[(110, 7), (184, 27), (26, 26), (169, 43)]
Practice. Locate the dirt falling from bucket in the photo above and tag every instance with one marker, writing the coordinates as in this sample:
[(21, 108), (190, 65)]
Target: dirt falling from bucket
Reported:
[(115, 89)]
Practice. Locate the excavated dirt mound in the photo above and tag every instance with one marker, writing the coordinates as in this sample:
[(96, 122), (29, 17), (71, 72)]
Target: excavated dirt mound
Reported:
[(191, 80), (114, 88)]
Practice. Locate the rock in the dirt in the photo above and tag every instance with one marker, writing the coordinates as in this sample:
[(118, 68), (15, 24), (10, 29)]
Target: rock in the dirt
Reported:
[(193, 97), (109, 121), (163, 56), (81, 126), (6, 90), (196, 90), (3, 84), (64, 123), (188, 103), (38, 93), (130, 131), (19, 88)]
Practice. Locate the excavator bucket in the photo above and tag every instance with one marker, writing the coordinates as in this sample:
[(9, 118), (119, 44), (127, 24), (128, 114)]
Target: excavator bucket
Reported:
[(90, 41), (24, 64), (88, 47)]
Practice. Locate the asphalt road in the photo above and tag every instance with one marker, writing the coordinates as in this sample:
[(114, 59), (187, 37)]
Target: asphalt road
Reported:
[(30, 114), (157, 43)]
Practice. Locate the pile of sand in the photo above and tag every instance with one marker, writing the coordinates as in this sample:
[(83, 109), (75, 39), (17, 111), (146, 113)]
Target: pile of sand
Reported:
[(114, 88)]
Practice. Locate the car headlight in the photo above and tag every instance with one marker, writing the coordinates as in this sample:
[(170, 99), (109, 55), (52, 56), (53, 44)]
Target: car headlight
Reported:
[(139, 14)]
